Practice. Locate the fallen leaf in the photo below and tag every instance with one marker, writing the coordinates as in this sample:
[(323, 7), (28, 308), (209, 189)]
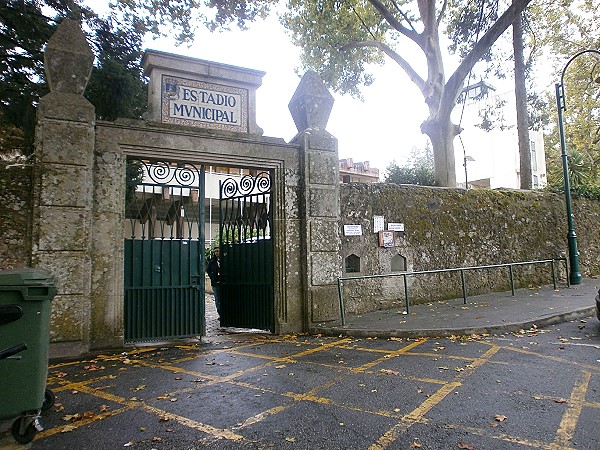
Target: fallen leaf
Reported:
[(156, 439), (163, 419), (282, 366), (290, 439), (71, 417), (500, 418), (389, 372), (560, 400), (140, 387), (68, 428), (466, 446), (129, 444)]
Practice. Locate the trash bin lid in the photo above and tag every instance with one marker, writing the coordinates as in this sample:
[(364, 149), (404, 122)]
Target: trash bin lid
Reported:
[(26, 277)]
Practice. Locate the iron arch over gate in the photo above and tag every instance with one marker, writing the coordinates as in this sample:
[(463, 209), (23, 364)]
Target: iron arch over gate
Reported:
[(164, 250), (245, 233)]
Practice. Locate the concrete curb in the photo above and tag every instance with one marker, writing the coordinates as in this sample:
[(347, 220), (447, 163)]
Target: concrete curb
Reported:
[(465, 331)]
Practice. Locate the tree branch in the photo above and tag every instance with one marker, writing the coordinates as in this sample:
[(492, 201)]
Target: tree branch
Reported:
[(456, 80), (404, 16), (442, 13), (404, 64), (394, 23)]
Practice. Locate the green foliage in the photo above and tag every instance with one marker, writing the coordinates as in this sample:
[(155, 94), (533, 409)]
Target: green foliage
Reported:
[(330, 33), (179, 19), (570, 31), (418, 169), (134, 175), (117, 87)]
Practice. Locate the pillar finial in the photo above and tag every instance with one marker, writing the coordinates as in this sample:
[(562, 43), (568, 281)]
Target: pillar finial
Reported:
[(311, 104), (68, 59)]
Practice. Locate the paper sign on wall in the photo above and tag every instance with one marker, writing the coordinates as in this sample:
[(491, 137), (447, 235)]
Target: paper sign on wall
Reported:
[(378, 224), (352, 230), (392, 226)]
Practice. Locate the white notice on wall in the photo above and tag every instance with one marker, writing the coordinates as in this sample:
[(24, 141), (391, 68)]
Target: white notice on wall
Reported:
[(395, 226), (352, 230), (378, 224)]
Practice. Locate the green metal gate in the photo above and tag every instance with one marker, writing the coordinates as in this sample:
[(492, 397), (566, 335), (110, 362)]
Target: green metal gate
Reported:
[(245, 230), (164, 251)]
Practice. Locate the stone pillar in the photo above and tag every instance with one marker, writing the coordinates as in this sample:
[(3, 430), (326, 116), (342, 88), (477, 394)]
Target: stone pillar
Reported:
[(63, 179), (310, 106)]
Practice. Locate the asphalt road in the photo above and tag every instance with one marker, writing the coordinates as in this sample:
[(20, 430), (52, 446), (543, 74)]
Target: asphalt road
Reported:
[(536, 389)]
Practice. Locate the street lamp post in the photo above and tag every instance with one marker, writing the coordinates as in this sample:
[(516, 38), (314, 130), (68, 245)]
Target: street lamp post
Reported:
[(561, 103), (466, 159)]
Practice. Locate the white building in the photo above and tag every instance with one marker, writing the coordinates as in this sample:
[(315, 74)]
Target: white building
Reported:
[(492, 157)]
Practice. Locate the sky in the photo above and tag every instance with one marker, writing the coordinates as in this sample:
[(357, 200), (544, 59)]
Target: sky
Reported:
[(382, 128)]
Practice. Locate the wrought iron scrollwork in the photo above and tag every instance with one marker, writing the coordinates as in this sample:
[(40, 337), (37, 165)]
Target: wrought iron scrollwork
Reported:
[(162, 199), (165, 173), (248, 184), (245, 208)]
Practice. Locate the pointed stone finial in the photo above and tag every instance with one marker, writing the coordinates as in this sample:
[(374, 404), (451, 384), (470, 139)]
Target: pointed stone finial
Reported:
[(311, 104), (68, 59)]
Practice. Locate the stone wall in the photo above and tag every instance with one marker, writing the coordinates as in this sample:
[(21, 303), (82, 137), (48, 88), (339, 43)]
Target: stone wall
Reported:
[(15, 215), (446, 228)]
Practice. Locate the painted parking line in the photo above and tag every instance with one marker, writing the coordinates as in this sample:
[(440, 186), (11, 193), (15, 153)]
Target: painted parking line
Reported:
[(369, 359)]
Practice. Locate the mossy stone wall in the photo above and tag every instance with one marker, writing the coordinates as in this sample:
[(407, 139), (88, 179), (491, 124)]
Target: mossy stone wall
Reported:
[(448, 228), (15, 215)]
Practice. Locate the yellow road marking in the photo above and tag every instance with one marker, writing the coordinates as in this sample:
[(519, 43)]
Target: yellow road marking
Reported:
[(557, 359), (80, 423), (413, 417), (505, 437), (388, 356), (218, 433), (568, 424), (479, 361)]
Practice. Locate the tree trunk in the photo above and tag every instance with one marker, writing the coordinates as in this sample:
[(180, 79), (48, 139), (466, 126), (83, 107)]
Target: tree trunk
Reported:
[(521, 99), (442, 132)]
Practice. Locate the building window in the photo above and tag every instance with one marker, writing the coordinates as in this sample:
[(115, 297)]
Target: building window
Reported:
[(536, 181), (534, 165), (352, 263)]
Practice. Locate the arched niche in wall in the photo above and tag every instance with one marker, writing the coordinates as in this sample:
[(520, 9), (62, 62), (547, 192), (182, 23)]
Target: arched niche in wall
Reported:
[(352, 263), (398, 264)]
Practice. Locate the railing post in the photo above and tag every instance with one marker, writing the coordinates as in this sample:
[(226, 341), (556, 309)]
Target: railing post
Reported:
[(464, 288), (512, 279), (341, 297), (553, 275), (405, 293)]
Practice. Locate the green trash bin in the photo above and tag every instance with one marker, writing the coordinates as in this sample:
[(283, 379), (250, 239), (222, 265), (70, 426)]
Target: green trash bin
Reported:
[(25, 300)]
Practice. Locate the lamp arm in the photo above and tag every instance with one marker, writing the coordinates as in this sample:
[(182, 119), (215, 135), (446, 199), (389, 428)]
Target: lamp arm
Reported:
[(562, 76)]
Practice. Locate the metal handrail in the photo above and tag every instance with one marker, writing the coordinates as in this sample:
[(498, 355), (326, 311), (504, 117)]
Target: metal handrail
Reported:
[(456, 269)]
